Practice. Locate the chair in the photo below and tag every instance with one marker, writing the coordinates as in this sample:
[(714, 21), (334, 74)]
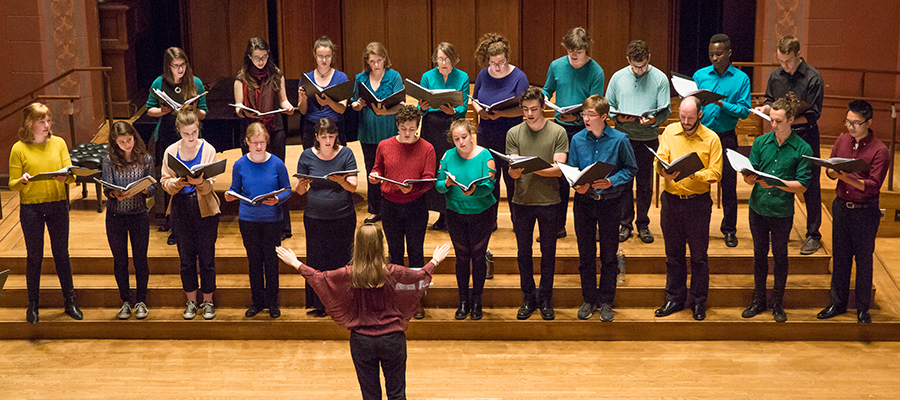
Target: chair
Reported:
[(89, 155)]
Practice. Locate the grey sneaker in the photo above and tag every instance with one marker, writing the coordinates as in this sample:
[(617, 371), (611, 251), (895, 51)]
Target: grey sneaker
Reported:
[(140, 310), (209, 311), (191, 310), (586, 310), (606, 313), (810, 246), (125, 311)]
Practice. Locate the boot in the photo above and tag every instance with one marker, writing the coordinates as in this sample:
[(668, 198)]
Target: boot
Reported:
[(475, 308), (72, 308), (31, 314)]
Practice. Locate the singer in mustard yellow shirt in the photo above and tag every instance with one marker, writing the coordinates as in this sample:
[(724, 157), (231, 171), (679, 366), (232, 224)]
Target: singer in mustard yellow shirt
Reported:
[(686, 208)]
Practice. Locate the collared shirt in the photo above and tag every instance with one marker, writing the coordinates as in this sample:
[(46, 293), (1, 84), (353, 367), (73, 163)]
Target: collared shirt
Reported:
[(673, 143), (573, 85), (805, 82), (785, 161), (457, 79), (734, 84), (612, 147), (636, 94), (874, 152)]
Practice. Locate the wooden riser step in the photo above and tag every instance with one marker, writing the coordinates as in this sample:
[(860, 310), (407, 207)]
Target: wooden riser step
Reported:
[(439, 324), (503, 264), (502, 291)]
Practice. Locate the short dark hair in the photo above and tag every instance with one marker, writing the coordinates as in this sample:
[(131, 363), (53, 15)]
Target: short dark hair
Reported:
[(533, 93), (577, 39), (862, 108), (408, 113), (788, 45), (788, 104), (326, 126), (721, 38), (638, 50)]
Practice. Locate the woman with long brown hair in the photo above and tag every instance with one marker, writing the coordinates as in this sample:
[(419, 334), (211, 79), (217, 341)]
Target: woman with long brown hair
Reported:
[(179, 83), (375, 301), (42, 202), (260, 86), (127, 161)]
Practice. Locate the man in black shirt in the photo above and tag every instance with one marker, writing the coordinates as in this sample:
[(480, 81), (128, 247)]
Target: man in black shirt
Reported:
[(796, 76)]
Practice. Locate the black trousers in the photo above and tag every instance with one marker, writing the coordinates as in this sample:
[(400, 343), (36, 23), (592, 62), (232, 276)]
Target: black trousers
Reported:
[(260, 240), (33, 217), (470, 234), (524, 218), (329, 246), (729, 184), (853, 232), (499, 144), (593, 216), (196, 243), (762, 227), (644, 182), (387, 351), (813, 194), (686, 222), (118, 229), (564, 192), (373, 191), (435, 126), (405, 222)]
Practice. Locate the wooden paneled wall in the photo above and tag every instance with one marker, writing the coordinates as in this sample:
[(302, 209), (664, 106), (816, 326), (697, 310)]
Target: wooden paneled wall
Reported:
[(410, 29), (217, 32)]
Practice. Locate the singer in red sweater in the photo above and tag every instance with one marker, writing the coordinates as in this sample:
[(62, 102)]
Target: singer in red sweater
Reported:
[(404, 210)]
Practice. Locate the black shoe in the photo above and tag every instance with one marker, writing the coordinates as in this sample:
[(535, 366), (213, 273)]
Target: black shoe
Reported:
[(586, 310), (810, 246), (526, 310), (275, 312), (376, 218), (420, 312), (463, 311), (286, 235), (731, 240), (72, 309), (31, 314), (253, 310), (317, 312), (778, 312), (440, 224), (669, 308), (606, 313), (645, 235), (172, 240), (699, 312), (754, 309), (863, 317), (547, 312), (476, 310), (831, 311), (624, 233)]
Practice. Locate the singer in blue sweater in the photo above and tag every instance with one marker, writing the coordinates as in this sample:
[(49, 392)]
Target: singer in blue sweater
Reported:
[(254, 174)]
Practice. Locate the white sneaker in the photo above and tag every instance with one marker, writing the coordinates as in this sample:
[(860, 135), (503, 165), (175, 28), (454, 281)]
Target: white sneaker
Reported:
[(191, 310), (125, 311), (209, 311), (140, 310)]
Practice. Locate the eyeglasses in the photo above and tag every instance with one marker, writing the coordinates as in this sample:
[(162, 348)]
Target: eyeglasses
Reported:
[(499, 65), (257, 143), (321, 57), (178, 66), (854, 124), (442, 60), (260, 59), (589, 115)]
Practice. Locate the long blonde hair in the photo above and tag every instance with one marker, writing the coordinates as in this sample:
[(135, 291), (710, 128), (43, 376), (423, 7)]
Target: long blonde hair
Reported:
[(367, 265)]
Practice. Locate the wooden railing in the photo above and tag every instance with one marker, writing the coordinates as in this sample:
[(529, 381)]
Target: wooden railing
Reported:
[(33, 96), (862, 96)]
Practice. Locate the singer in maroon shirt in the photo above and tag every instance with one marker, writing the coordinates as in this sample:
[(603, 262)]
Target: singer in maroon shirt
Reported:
[(855, 212)]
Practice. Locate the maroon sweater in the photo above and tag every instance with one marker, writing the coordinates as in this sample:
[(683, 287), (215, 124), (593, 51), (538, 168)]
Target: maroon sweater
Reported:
[(397, 161), (371, 311), (874, 152)]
